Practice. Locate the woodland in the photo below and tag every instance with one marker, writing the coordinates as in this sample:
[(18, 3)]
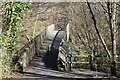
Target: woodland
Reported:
[(94, 31)]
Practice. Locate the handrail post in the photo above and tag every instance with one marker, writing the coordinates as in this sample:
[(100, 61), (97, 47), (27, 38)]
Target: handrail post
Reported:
[(70, 63), (70, 56)]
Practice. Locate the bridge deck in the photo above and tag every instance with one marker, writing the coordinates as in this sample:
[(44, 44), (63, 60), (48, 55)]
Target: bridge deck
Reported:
[(45, 65)]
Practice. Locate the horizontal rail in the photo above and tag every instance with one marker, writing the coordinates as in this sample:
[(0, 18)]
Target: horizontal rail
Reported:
[(95, 62), (88, 56), (80, 62), (62, 49), (79, 56)]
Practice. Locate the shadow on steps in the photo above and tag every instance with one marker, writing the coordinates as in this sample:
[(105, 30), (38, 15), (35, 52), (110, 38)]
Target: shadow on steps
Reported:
[(50, 58)]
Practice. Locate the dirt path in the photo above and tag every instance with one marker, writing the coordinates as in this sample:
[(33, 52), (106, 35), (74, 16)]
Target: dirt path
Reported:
[(45, 65)]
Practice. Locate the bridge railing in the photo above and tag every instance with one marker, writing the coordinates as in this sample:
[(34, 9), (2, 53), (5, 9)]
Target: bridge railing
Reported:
[(68, 60), (25, 55), (97, 62), (64, 56)]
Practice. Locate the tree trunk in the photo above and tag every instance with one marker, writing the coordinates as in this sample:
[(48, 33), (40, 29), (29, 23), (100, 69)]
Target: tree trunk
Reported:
[(113, 68), (112, 24)]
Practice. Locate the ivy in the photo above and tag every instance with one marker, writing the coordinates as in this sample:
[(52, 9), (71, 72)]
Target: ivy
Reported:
[(11, 29)]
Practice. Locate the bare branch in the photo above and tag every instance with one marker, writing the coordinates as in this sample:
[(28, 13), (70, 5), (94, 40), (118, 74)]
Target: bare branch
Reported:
[(95, 25)]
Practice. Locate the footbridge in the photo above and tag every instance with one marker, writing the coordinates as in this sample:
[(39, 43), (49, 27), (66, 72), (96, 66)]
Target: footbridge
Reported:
[(48, 55)]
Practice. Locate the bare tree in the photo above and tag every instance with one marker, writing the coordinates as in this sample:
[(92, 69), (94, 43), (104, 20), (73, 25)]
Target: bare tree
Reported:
[(112, 26)]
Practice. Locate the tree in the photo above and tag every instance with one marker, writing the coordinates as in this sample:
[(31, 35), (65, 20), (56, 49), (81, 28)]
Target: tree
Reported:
[(112, 27)]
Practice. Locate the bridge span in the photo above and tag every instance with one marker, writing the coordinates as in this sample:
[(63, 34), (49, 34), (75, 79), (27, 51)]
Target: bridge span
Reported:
[(43, 63)]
